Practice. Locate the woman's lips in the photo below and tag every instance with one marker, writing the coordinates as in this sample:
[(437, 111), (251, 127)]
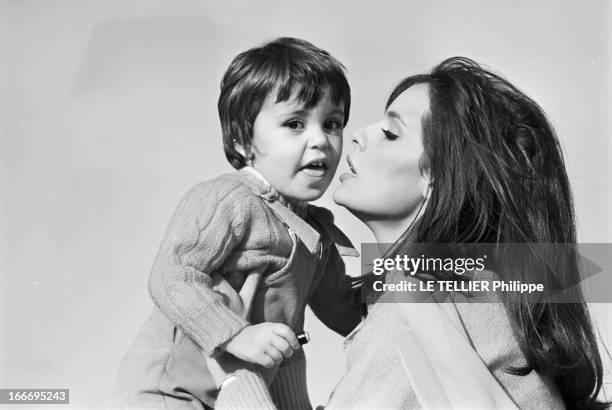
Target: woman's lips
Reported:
[(350, 164), (345, 176)]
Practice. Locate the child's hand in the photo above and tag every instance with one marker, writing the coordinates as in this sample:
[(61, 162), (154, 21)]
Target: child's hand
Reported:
[(266, 344)]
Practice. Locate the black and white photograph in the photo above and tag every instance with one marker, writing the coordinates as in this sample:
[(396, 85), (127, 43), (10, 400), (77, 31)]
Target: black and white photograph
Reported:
[(301, 205)]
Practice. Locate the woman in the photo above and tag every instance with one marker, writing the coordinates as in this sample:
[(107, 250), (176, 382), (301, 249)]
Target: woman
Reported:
[(462, 156)]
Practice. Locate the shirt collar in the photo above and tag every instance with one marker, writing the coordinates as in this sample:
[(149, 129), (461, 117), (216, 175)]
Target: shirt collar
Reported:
[(266, 190)]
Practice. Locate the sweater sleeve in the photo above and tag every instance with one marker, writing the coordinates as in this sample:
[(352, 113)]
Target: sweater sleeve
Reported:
[(246, 391), (206, 226)]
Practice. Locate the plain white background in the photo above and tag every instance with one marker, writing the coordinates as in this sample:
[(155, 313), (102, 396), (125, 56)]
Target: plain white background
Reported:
[(109, 115)]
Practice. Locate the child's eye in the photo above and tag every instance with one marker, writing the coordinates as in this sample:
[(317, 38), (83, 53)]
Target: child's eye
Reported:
[(294, 124), (333, 125), (389, 135)]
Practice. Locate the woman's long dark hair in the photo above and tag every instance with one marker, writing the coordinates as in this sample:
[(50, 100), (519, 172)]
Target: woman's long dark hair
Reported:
[(498, 176)]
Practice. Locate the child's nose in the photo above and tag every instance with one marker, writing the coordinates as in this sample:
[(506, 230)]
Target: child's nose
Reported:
[(318, 138)]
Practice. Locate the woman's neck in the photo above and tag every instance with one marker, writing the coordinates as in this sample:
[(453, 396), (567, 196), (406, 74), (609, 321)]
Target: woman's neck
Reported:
[(387, 231)]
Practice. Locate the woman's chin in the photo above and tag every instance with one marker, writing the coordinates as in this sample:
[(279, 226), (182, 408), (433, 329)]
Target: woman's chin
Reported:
[(339, 196), (346, 199)]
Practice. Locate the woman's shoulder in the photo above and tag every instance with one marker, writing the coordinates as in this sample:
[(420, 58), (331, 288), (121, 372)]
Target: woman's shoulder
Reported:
[(490, 331)]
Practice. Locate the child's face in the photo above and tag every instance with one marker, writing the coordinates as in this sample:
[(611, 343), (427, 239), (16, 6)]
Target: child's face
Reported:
[(297, 149)]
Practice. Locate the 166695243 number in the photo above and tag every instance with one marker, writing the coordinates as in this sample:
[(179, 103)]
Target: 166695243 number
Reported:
[(34, 396)]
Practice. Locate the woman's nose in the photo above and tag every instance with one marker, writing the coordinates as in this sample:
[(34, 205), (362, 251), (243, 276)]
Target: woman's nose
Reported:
[(360, 139)]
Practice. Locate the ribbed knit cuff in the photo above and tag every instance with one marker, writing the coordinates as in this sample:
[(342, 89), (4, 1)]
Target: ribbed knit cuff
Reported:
[(222, 324), (247, 391), (289, 389)]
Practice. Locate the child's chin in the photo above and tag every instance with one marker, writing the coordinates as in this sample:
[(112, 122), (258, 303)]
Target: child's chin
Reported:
[(308, 195)]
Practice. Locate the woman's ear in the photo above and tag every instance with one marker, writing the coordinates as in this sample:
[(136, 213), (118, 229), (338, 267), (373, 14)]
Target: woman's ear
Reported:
[(428, 188)]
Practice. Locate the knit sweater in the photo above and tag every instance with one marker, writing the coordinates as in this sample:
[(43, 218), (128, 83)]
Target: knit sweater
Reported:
[(224, 227), (235, 252), (375, 378)]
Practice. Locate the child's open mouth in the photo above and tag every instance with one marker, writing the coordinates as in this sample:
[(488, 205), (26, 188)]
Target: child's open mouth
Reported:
[(315, 169)]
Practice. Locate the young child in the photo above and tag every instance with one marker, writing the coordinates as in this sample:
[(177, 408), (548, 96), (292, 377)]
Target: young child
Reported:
[(245, 252)]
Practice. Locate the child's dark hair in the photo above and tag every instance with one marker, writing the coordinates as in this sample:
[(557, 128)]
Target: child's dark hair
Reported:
[(290, 67)]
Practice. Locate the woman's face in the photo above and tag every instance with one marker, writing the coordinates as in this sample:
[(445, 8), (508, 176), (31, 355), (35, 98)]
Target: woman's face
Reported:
[(385, 182)]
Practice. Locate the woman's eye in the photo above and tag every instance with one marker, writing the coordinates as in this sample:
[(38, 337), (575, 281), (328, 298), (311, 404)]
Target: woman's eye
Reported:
[(389, 134), (294, 124)]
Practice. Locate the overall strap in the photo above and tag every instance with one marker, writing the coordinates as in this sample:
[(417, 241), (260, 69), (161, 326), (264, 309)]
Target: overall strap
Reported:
[(307, 234)]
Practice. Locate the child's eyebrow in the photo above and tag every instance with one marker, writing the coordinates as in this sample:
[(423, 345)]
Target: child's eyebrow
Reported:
[(299, 111), (304, 112), (337, 112)]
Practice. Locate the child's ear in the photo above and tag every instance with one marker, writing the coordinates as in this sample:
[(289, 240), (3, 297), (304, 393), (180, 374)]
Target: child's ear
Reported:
[(239, 148)]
